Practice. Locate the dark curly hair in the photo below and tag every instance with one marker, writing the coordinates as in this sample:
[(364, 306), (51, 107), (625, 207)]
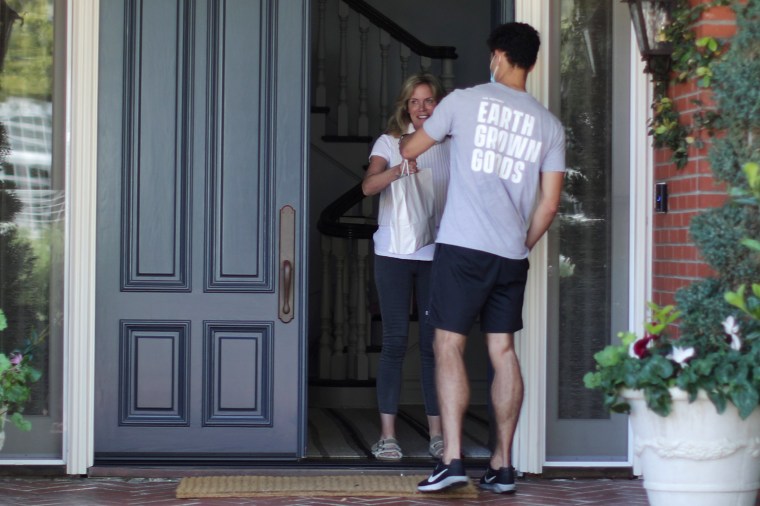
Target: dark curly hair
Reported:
[(519, 41)]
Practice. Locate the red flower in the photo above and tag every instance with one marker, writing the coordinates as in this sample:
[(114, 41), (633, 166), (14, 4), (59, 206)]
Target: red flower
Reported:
[(640, 347)]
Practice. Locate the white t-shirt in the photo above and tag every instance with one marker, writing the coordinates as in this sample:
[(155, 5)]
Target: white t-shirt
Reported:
[(501, 139), (437, 159)]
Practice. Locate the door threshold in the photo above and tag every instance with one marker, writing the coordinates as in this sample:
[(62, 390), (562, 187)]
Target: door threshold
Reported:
[(330, 467), (270, 468)]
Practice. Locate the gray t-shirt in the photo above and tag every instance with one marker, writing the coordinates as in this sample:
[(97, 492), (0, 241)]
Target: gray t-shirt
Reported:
[(501, 139)]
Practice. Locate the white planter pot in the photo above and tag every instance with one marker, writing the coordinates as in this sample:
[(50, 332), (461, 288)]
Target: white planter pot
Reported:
[(695, 456)]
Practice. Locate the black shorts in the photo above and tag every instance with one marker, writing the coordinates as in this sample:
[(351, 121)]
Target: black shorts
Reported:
[(466, 283)]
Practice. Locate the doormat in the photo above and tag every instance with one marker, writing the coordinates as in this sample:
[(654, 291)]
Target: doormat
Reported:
[(312, 486)]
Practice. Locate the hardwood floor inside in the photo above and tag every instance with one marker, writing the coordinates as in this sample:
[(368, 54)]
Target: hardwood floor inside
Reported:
[(349, 433)]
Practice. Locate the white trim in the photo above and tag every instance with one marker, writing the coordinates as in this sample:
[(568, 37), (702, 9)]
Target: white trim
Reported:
[(641, 204), (32, 462), (588, 463), (79, 282), (529, 447)]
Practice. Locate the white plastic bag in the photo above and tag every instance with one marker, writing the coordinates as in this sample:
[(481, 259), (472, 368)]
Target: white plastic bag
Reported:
[(413, 216)]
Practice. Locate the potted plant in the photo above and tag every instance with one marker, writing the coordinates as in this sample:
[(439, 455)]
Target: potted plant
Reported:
[(693, 398), (694, 406), (16, 374)]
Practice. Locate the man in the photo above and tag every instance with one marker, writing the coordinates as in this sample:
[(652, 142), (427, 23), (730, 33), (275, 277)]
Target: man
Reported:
[(507, 167)]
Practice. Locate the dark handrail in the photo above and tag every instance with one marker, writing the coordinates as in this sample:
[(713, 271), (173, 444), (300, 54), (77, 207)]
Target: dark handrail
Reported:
[(416, 45), (329, 220)]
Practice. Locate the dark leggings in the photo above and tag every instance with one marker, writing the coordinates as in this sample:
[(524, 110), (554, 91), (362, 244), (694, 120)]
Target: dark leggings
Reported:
[(394, 279)]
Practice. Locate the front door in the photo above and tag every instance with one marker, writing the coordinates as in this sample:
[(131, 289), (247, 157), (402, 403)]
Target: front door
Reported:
[(200, 341)]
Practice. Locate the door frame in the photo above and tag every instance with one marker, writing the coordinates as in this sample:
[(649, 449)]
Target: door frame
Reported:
[(79, 300), (529, 448), (83, 29)]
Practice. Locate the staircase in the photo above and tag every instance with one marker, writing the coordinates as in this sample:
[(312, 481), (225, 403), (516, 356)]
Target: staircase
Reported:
[(360, 58)]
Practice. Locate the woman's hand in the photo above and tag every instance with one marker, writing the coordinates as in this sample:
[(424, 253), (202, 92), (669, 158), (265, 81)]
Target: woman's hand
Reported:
[(379, 175), (412, 168)]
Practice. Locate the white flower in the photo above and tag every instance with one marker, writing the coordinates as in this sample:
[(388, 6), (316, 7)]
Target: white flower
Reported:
[(731, 327), (681, 355)]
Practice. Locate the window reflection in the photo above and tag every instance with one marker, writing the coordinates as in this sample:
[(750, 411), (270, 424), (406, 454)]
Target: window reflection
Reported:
[(32, 199), (585, 215)]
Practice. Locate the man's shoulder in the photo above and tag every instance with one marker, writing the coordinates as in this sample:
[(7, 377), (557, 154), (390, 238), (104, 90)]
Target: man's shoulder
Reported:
[(463, 93)]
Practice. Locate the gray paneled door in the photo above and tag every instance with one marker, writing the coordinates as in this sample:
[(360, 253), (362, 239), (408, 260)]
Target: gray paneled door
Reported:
[(200, 347)]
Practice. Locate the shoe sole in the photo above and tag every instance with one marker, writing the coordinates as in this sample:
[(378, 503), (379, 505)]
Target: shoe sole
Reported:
[(498, 488), (450, 482)]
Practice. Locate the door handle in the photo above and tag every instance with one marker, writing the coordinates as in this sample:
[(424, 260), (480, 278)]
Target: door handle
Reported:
[(287, 271), (286, 296)]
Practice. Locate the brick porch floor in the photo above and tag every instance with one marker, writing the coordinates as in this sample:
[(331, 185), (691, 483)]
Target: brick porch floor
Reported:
[(160, 491), (156, 487)]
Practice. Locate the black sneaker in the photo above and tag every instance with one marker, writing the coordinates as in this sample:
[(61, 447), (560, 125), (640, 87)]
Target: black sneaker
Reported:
[(501, 481), (444, 476)]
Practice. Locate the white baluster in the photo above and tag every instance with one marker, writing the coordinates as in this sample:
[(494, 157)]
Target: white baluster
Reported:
[(362, 331), (425, 63), (404, 54), (363, 120), (385, 44), (325, 337), (320, 92), (447, 74), (338, 360), (343, 72)]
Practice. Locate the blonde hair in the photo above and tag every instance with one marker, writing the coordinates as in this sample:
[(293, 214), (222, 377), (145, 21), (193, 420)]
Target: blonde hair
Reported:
[(398, 123)]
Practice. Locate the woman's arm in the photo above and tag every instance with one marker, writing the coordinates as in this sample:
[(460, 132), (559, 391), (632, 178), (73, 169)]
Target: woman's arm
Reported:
[(377, 178)]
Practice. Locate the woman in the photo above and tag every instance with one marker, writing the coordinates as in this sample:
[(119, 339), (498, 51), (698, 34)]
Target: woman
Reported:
[(396, 275)]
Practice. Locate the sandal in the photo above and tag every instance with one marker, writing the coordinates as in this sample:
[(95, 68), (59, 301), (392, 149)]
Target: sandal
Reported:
[(387, 449), (436, 447)]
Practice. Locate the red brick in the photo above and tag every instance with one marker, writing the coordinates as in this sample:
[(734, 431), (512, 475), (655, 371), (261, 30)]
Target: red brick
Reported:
[(708, 184), (686, 88), (663, 298), (683, 202), (719, 31), (661, 156), (705, 271), (711, 200), (683, 185), (680, 235), (708, 102), (720, 13)]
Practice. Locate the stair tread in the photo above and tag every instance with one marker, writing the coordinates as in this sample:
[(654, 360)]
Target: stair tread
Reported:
[(347, 138)]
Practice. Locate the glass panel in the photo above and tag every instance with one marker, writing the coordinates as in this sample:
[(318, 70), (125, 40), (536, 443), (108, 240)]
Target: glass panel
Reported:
[(588, 247), (31, 224), (584, 287)]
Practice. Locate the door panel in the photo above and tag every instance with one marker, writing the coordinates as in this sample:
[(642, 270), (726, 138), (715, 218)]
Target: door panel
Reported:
[(195, 142), (588, 245)]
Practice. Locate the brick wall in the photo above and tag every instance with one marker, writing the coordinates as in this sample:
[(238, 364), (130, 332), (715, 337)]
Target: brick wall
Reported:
[(676, 261)]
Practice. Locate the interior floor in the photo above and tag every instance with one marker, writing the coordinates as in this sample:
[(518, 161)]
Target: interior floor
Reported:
[(349, 433)]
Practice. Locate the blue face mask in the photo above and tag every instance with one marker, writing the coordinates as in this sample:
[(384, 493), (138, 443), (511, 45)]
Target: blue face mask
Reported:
[(493, 73)]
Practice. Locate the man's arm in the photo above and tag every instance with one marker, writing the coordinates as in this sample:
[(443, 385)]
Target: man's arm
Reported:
[(548, 205), (413, 145)]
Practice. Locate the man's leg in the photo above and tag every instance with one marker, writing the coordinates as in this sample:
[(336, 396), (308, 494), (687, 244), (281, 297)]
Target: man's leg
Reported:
[(453, 397), (453, 389), (506, 395)]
